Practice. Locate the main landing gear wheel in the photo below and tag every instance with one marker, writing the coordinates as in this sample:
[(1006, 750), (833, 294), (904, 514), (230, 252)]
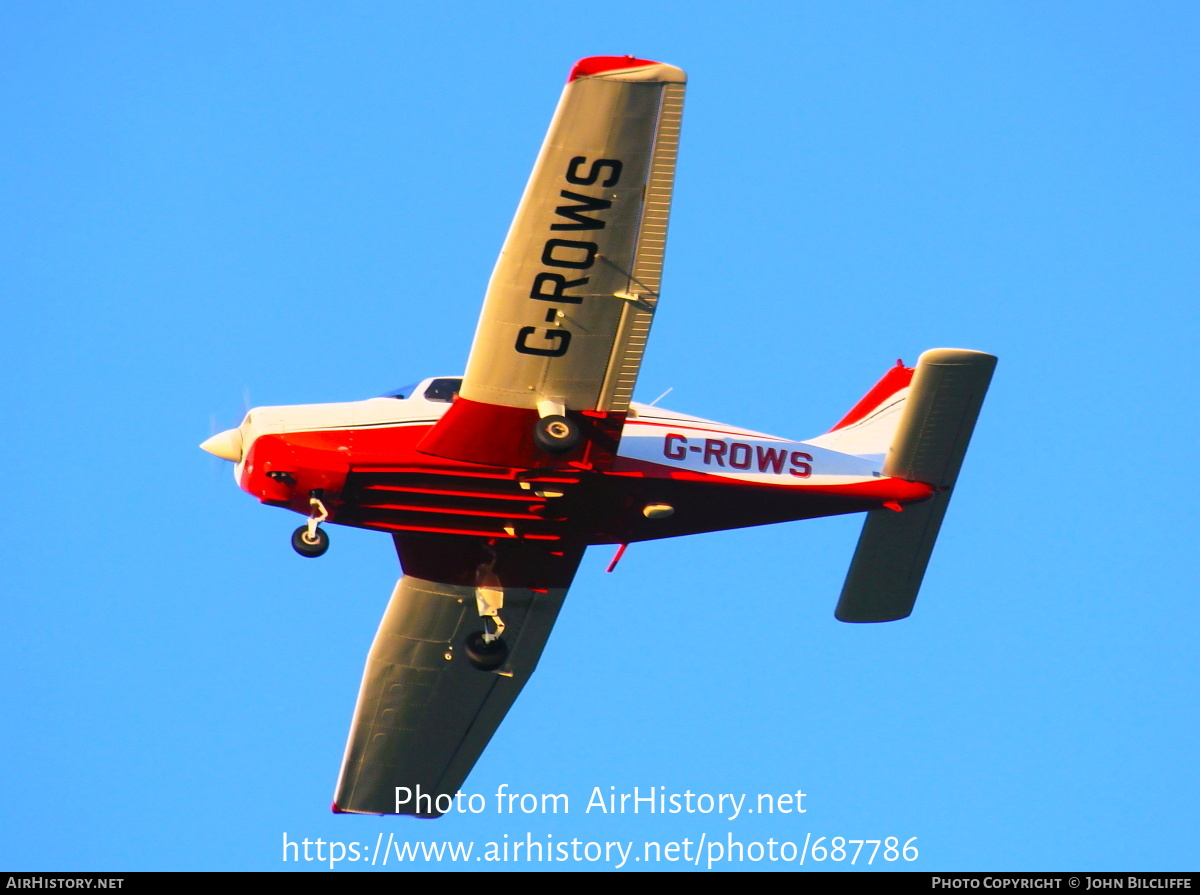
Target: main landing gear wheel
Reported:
[(556, 434), (305, 546), (484, 654)]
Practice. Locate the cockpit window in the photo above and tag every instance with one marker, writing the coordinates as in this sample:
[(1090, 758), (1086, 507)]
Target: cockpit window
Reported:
[(405, 391), (443, 390)]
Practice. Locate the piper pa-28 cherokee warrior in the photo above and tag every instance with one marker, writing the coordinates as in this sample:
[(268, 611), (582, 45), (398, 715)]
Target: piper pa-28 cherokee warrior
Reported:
[(492, 484)]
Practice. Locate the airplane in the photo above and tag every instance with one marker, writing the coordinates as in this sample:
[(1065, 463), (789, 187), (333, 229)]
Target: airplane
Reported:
[(493, 483)]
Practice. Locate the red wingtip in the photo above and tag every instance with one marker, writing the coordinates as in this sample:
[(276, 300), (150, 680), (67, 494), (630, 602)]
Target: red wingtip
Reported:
[(335, 809), (594, 65)]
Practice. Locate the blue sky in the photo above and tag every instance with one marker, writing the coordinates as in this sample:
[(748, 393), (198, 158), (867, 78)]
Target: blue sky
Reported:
[(213, 204)]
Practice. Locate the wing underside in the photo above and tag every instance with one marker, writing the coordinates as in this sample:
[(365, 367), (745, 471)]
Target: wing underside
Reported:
[(568, 309), (424, 711)]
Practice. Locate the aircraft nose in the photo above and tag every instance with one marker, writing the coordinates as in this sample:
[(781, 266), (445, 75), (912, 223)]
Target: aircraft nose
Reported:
[(227, 445)]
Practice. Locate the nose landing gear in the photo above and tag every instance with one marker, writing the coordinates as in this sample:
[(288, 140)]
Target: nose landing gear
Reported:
[(309, 540)]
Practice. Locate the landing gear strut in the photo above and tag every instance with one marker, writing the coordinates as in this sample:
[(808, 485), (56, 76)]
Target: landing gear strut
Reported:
[(485, 649), (310, 540)]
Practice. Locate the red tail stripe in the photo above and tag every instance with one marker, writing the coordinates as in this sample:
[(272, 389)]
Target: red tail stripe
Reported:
[(893, 380)]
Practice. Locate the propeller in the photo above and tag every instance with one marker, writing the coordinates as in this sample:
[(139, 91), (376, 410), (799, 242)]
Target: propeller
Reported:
[(228, 444)]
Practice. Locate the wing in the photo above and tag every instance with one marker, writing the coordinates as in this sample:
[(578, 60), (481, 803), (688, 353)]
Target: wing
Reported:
[(425, 712), (569, 306)]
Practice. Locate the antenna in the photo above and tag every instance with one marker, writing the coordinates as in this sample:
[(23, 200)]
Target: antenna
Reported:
[(660, 397)]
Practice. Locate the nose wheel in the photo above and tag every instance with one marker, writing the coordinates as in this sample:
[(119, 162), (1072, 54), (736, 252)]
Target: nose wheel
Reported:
[(310, 545), (309, 539)]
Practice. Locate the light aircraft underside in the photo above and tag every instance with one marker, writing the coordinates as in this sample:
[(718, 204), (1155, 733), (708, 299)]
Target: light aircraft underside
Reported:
[(492, 484)]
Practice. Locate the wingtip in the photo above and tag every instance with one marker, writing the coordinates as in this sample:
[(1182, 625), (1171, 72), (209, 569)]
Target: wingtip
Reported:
[(957, 357), (852, 619), (594, 66)]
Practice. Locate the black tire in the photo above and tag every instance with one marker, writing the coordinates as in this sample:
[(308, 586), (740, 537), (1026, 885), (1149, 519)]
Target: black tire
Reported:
[(484, 655), (304, 547), (556, 434)]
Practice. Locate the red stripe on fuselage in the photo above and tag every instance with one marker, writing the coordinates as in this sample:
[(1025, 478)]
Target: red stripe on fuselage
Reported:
[(895, 379)]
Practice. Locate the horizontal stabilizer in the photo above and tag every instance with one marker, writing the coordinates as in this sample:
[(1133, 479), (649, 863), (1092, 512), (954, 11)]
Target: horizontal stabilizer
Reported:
[(893, 550), (889, 563), (943, 403)]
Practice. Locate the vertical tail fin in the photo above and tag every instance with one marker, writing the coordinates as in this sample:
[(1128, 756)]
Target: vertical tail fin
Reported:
[(929, 444), (867, 430)]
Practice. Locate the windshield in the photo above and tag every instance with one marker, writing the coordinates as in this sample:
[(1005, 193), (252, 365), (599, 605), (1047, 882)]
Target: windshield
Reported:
[(405, 391), (443, 390)]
